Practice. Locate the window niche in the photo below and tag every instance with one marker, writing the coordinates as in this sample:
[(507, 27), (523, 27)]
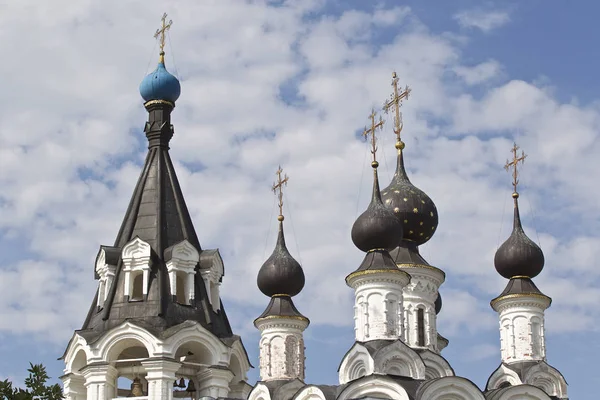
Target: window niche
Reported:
[(136, 257), (212, 270), (420, 326), (181, 260), (106, 265)]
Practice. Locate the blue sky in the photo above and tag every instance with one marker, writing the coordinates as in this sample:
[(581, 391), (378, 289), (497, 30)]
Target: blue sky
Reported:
[(290, 85)]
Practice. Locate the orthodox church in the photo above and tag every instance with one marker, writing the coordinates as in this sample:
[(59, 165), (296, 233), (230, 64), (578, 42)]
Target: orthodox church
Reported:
[(157, 318)]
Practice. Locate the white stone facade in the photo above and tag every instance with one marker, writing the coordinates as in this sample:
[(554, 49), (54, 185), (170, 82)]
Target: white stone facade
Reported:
[(420, 319), (378, 305), (281, 348), (92, 369), (522, 327)]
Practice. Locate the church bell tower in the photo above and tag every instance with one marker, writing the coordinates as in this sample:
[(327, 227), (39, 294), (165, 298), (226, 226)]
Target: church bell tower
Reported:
[(156, 320)]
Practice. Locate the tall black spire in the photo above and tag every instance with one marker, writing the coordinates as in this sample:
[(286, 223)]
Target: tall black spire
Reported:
[(281, 277), (376, 230), (412, 207), (518, 259), (158, 215)]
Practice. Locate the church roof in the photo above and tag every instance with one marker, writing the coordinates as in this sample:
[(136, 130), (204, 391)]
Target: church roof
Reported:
[(158, 215)]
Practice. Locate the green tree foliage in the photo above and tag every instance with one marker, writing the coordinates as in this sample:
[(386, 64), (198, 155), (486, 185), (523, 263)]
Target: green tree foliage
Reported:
[(35, 387)]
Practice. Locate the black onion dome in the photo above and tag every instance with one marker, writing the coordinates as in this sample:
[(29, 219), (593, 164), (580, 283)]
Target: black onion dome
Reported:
[(376, 228), (438, 303), (519, 256), (281, 274), (413, 208)]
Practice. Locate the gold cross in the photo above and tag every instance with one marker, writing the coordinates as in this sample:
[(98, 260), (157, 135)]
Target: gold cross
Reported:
[(516, 159), (396, 102), (161, 32), (371, 131), (278, 186)]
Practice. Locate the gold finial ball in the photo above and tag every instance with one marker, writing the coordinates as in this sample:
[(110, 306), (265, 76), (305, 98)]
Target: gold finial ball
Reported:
[(374, 164), (515, 195), (400, 145), (280, 218)]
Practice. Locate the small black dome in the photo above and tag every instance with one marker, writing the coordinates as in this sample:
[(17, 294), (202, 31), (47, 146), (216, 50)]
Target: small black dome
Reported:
[(519, 255), (413, 208), (377, 227), (281, 274), (438, 303)]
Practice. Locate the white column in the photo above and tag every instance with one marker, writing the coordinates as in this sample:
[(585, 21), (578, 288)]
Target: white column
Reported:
[(281, 348), (160, 374), (190, 284), (371, 294), (173, 282), (100, 381), (214, 382), (74, 387), (523, 315)]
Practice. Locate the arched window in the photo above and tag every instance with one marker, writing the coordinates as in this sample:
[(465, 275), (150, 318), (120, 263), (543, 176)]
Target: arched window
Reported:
[(181, 292), (536, 337), (138, 285), (420, 326)]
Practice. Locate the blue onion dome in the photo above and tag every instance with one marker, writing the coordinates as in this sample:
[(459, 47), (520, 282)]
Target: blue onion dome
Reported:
[(413, 208), (160, 84), (518, 256), (438, 303), (281, 274), (377, 228)]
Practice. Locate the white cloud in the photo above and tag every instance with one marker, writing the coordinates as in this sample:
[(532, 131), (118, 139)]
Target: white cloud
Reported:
[(72, 104), (482, 19), (479, 73)]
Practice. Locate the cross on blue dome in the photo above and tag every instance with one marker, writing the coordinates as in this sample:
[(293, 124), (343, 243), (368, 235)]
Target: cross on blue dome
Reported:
[(160, 84)]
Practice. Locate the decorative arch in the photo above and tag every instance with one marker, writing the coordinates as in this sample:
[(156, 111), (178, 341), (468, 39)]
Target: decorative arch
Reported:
[(399, 359), (502, 375), (436, 366), (450, 387), (375, 386), (310, 393), (76, 345), (356, 363), (239, 356), (216, 353), (546, 378), (125, 335), (520, 392), (260, 392), (136, 248)]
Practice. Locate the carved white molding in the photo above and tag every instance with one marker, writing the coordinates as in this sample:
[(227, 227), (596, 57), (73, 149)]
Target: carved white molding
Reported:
[(260, 392), (106, 275), (436, 366), (310, 393), (451, 387), (136, 256), (181, 261), (521, 392), (522, 336), (548, 379), (374, 386), (399, 359), (281, 348), (356, 363), (211, 271), (501, 375), (378, 305), (214, 382)]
